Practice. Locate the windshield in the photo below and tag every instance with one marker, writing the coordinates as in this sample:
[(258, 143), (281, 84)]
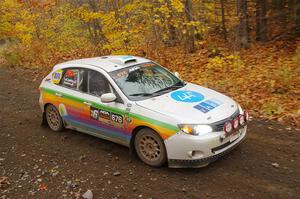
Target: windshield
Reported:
[(145, 80)]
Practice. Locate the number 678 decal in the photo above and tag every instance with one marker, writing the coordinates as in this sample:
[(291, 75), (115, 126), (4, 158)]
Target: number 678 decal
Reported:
[(116, 118)]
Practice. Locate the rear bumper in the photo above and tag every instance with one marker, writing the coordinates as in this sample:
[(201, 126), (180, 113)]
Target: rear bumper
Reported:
[(186, 151)]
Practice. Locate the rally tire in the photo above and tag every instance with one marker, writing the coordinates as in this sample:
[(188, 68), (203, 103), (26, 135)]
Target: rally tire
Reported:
[(53, 118), (150, 147)]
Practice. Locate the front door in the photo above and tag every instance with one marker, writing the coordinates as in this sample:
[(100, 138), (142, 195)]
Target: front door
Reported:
[(105, 120)]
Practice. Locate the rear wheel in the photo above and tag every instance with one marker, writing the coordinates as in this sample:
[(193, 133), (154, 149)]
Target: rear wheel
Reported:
[(53, 118), (150, 147)]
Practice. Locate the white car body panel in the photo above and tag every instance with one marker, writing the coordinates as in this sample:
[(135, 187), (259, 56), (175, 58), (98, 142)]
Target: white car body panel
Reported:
[(185, 113)]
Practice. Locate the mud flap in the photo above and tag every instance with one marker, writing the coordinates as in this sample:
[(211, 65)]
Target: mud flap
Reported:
[(131, 149), (44, 120)]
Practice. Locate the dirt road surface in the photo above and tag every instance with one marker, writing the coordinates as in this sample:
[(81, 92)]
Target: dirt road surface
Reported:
[(38, 163)]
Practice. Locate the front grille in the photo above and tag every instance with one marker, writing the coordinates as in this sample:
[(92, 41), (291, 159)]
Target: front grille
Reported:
[(218, 126), (213, 150)]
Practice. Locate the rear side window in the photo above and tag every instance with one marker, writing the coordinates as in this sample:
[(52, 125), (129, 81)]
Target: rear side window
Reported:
[(74, 79)]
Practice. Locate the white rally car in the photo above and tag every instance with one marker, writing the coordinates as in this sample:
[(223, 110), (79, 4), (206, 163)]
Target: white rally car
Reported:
[(137, 103)]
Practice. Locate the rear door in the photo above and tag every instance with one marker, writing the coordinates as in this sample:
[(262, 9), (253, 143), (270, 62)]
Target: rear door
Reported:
[(67, 94), (106, 120)]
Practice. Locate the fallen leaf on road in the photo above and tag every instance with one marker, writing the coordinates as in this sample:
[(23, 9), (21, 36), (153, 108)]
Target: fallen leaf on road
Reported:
[(42, 187), (4, 183)]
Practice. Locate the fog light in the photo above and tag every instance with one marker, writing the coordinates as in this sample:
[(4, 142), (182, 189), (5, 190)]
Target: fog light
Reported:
[(195, 154), (228, 127), (235, 122), (241, 120)]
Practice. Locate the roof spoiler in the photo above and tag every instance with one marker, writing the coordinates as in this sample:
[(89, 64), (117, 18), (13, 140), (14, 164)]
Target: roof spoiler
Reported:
[(124, 60)]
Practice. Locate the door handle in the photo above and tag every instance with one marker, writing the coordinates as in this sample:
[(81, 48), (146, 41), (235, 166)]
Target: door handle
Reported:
[(87, 103), (58, 95)]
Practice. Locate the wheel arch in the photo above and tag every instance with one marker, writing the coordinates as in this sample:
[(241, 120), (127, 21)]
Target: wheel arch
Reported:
[(45, 105), (44, 120), (135, 132)]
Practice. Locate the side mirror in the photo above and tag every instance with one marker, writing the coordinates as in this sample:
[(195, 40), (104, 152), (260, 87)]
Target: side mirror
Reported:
[(108, 97), (177, 74)]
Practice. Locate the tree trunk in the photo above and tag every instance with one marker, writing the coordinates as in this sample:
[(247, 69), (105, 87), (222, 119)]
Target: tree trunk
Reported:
[(171, 29), (296, 17), (261, 20), (279, 7), (190, 35), (95, 24), (172, 35), (242, 28), (223, 20)]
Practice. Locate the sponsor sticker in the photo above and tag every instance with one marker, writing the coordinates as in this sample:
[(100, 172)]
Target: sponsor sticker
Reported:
[(70, 82), (94, 113), (134, 69), (70, 73), (122, 73), (56, 76), (201, 108), (147, 64), (70, 77), (62, 110), (187, 96), (105, 116), (208, 105)]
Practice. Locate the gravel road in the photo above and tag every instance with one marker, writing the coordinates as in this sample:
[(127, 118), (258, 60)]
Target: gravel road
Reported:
[(38, 163)]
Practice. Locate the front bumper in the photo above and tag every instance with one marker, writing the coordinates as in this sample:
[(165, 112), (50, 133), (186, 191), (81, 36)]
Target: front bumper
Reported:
[(198, 151)]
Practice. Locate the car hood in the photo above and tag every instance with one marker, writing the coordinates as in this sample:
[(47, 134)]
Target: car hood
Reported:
[(192, 104)]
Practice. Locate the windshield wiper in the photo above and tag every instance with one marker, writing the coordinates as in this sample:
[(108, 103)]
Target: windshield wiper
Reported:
[(141, 94), (175, 86)]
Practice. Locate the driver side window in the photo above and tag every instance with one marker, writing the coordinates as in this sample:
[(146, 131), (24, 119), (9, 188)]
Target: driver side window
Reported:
[(97, 84)]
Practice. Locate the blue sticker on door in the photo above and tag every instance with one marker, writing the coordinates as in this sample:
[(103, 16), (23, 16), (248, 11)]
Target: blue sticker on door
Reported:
[(187, 96)]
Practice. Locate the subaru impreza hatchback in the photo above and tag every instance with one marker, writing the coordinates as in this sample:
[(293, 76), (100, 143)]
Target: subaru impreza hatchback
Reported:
[(137, 103)]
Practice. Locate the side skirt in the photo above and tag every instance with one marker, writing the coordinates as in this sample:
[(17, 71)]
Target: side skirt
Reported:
[(72, 126)]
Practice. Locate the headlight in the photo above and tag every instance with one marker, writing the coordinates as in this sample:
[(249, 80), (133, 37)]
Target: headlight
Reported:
[(195, 129)]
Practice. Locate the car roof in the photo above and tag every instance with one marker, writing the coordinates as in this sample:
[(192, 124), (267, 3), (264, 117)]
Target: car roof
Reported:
[(107, 63)]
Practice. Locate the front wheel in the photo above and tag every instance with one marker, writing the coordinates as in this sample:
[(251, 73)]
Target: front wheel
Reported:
[(150, 147), (53, 118)]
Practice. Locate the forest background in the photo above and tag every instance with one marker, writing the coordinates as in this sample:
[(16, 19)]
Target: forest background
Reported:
[(247, 49)]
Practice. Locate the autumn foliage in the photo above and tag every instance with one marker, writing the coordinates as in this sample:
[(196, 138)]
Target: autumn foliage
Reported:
[(203, 40)]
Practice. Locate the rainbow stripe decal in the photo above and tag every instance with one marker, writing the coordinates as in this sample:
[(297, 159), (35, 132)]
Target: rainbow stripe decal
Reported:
[(108, 121)]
